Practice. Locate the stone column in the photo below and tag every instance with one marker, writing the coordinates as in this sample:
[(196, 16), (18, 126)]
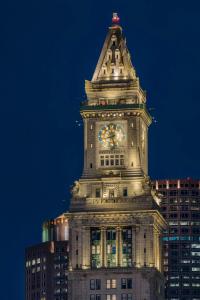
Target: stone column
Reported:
[(103, 246), (133, 246), (138, 247), (86, 247), (119, 247), (156, 249), (151, 258)]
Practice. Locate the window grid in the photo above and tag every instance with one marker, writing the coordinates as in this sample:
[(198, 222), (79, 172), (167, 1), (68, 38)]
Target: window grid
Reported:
[(112, 160)]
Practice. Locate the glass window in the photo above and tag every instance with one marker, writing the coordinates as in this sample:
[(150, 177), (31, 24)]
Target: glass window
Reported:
[(111, 297), (111, 284), (95, 284), (126, 283), (98, 284), (125, 192), (98, 193), (126, 296), (129, 283), (92, 284)]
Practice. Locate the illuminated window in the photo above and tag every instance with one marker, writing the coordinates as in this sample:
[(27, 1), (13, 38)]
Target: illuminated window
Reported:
[(111, 297), (196, 284), (195, 269), (174, 284), (111, 284), (95, 247), (38, 260), (111, 160), (195, 253), (195, 246)]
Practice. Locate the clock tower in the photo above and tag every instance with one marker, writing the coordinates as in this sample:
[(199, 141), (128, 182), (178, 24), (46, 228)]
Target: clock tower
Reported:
[(115, 224)]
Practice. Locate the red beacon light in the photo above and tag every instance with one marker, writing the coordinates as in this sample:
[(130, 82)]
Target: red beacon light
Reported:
[(115, 18)]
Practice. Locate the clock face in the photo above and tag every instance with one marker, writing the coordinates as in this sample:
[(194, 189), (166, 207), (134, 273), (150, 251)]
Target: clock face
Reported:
[(111, 135)]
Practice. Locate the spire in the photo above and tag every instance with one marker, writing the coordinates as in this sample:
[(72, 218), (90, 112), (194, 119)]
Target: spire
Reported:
[(114, 61)]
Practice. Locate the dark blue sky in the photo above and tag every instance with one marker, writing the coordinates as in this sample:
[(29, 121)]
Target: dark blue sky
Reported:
[(48, 48)]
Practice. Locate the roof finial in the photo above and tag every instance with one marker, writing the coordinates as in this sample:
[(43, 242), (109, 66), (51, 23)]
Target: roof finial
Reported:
[(115, 18)]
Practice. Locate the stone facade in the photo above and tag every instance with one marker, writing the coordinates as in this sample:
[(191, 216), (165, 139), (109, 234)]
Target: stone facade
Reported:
[(114, 220)]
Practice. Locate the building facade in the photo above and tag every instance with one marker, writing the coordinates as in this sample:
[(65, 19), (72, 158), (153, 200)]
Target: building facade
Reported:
[(56, 229), (46, 264), (47, 271), (114, 221), (181, 241)]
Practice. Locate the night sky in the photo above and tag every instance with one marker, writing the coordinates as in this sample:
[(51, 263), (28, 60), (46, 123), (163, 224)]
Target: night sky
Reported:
[(48, 48)]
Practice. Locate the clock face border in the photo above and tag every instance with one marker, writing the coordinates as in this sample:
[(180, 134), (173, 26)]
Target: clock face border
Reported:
[(111, 135)]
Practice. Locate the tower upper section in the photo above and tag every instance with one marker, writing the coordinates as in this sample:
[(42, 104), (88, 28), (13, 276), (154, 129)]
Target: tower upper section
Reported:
[(114, 80), (116, 125), (115, 117), (114, 62)]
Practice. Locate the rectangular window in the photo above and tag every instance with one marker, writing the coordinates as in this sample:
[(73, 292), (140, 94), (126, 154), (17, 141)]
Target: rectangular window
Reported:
[(126, 296), (111, 160), (92, 284), (95, 248), (125, 192), (98, 284), (95, 284), (126, 283), (111, 297), (111, 284), (98, 193)]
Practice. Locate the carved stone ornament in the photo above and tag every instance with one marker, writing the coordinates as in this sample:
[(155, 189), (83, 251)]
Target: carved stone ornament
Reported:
[(75, 189)]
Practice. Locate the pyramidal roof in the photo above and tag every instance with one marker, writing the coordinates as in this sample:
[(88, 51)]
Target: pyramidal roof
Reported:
[(115, 61)]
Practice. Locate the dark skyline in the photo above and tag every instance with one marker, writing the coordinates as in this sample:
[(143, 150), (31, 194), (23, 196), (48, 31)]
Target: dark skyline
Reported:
[(47, 50)]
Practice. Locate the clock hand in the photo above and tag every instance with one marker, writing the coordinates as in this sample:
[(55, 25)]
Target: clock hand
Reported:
[(111, 136)]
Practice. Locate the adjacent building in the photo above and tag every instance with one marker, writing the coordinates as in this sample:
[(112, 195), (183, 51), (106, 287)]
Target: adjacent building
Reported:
[(56, 229), (114, 221), (181, 208), (46, 264)]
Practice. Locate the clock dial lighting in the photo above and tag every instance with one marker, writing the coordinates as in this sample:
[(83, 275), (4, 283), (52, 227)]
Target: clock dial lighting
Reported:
[(111, 135)]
